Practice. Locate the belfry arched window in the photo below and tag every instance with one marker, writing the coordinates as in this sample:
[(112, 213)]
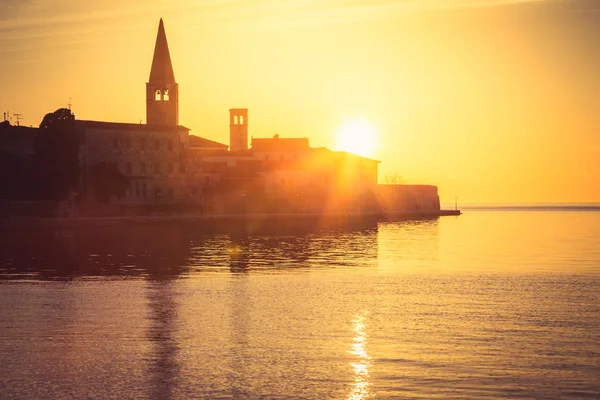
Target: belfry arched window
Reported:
[(166, 95), (157, 95)]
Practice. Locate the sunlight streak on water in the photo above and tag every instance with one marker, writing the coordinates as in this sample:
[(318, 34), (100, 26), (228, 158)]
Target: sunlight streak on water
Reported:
[(361, 367)]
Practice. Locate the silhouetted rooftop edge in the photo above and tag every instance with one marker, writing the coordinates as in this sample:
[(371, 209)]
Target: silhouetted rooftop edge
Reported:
[(197, 141), (7, 128), (342, 153), (130, 126), (280, 144)]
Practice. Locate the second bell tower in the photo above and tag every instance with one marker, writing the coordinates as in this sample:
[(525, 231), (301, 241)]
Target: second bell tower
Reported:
[(238, 129)]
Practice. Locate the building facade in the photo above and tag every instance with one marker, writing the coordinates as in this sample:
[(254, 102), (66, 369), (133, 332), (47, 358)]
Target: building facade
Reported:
[(284, 175), (152, 158)]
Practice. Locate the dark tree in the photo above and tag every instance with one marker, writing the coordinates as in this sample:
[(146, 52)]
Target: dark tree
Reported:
[(57, 118), (107, 181), (56, 155)]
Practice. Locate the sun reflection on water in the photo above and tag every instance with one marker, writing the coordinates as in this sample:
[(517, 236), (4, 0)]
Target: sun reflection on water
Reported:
[(360, 388)]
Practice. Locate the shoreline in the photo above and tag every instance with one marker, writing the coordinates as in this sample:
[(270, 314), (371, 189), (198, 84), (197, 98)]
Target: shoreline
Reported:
[(222, 220)]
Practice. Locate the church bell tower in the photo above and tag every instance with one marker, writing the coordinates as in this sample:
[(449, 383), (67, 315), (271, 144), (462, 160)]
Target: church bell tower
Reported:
[(162, 92)]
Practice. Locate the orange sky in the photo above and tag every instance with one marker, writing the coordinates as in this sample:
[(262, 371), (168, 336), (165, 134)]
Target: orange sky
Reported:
[(491, 100)]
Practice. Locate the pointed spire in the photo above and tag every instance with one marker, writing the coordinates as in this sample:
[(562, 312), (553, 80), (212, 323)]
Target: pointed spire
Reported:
[(162, 69)]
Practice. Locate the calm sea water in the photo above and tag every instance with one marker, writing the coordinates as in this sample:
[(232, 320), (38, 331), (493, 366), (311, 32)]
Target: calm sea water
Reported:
[(491, 304)]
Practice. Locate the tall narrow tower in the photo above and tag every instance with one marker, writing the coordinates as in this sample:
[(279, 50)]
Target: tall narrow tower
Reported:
[(162, 92), (238, 129)]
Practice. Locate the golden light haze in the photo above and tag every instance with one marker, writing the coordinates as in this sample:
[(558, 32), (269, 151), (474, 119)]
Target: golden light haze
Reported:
[(493, 101)]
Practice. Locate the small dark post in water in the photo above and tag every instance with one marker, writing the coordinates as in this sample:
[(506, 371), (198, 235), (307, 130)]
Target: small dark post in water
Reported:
[(456, 203)]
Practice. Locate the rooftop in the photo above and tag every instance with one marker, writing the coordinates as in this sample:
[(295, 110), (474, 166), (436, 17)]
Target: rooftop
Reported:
[(197, 141), (125, 126), (277, 144)]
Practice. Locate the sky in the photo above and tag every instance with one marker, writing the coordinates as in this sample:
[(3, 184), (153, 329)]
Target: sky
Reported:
[(490, 100)]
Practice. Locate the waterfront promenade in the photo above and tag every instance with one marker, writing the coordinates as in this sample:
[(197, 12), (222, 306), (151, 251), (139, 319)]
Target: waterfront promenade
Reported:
[(225, 220)]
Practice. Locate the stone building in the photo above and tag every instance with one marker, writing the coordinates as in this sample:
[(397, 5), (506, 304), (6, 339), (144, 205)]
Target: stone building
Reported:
[(316, 179), (17, 141), (283, 175), (153, 158)]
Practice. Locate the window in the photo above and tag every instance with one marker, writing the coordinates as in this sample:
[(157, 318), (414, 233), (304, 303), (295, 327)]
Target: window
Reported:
[(143, 143), (143, 167), (129, 168), (170, 145), (156, 168), (157, 144)]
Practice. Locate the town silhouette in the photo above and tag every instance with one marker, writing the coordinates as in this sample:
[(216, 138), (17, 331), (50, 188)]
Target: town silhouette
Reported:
[(71, 168), (214, 213)]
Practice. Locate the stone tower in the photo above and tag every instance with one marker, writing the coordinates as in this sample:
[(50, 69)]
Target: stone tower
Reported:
[(162, 93), (238, 129)]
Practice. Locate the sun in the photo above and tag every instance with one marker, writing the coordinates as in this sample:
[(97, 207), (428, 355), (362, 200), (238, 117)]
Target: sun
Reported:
[(357, 136)]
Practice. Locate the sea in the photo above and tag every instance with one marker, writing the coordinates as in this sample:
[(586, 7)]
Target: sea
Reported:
[(497, 303)]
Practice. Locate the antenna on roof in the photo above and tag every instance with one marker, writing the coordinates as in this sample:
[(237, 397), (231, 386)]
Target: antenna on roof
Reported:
[(18, 116), (69, 104)]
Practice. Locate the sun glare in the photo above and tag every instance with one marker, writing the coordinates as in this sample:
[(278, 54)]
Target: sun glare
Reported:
[(357, 136)]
